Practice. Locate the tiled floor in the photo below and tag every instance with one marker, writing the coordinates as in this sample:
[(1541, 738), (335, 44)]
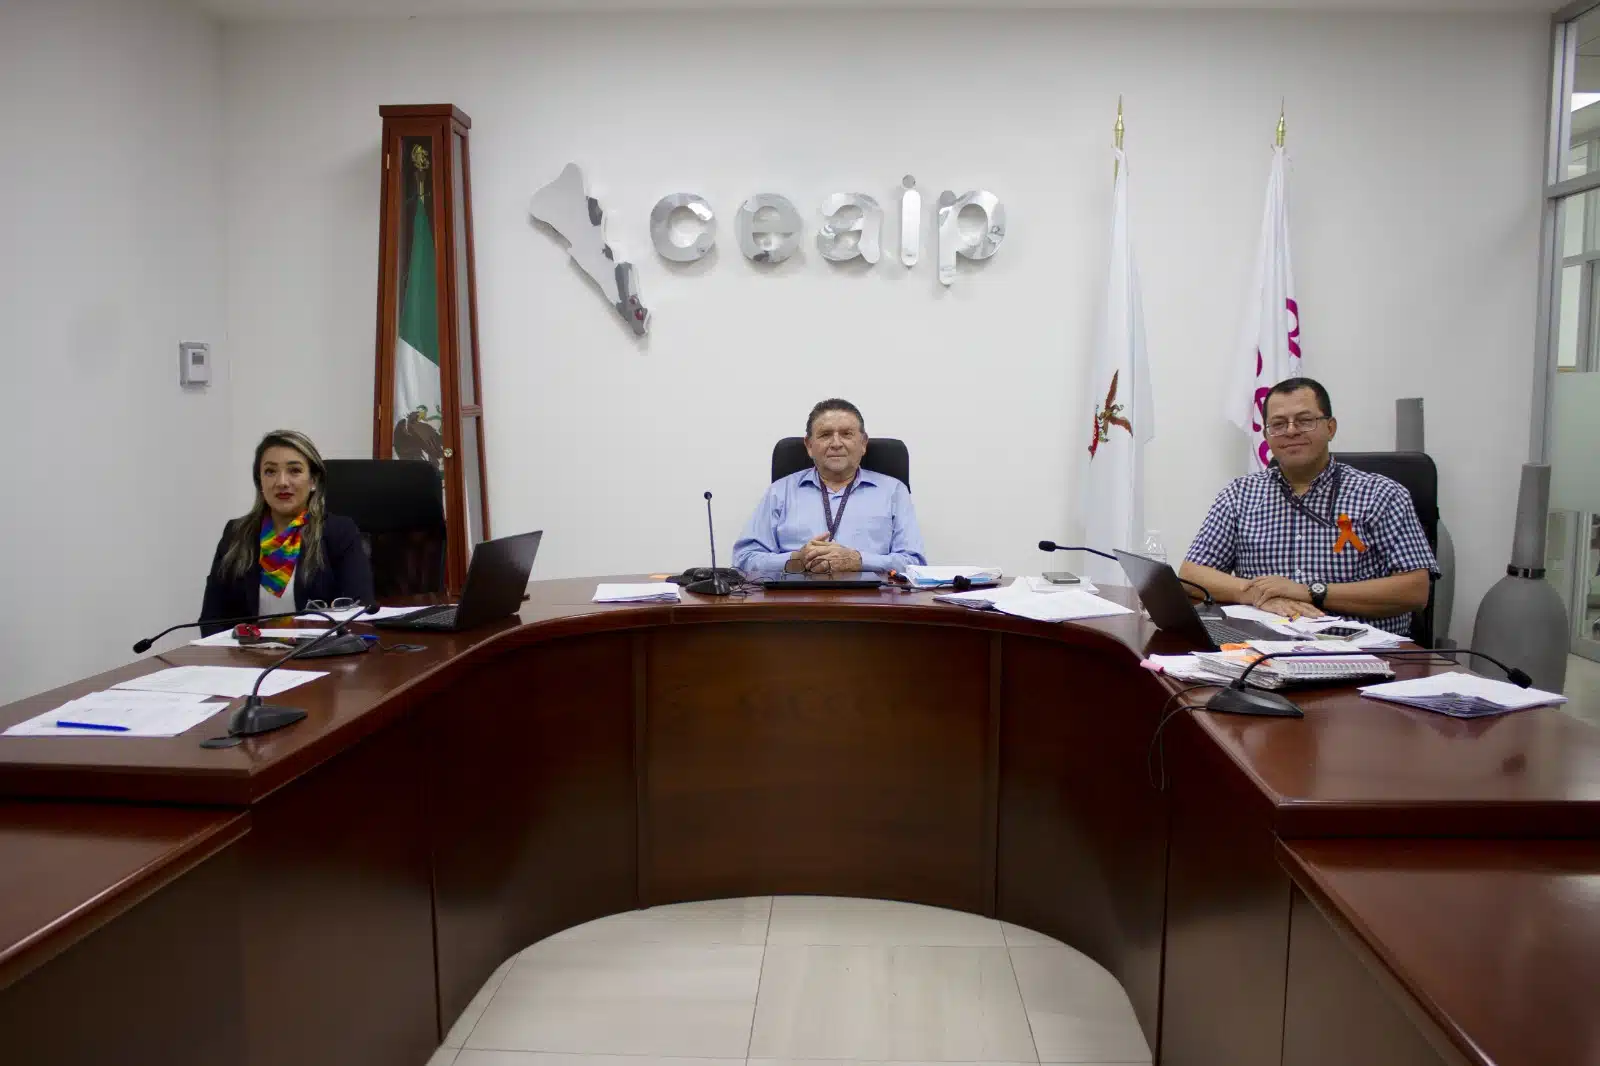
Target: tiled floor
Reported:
[(796, 981)]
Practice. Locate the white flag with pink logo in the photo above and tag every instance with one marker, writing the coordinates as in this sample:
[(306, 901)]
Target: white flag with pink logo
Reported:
[(1269, 341)]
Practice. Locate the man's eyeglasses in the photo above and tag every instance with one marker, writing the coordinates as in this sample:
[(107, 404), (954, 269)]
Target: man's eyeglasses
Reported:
[(343, 603), (1305, 424)]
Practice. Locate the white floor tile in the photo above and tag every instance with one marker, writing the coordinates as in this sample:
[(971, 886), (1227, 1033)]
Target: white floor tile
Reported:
[(625, 999), (806, 920), (906, 1004), (445, 1056), (1018, 936), (548, 1058), (463, 1025), (716, 921), (1078, 1012)]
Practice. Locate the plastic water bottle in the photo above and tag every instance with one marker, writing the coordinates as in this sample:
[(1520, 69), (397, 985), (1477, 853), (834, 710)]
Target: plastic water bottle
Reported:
[(1153, 547)]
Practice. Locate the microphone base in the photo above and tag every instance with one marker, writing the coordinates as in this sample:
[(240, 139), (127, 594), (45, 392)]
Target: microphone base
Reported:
[(347, 644), (254, 719), (716, 586), (1252, 701)]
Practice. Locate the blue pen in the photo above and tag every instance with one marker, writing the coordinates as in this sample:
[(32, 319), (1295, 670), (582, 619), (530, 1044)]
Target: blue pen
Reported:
[(92, 725)]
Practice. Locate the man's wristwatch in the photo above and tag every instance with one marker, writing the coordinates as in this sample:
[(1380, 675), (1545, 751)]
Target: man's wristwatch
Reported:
[(1319, 593)]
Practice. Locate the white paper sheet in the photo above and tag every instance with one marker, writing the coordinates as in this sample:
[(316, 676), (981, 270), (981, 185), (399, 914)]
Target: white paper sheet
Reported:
[(382, 612), (1040, 585), (1456, 682), (139, 714), (229, 681), (1070, 606), (641, 592), (226, 639)]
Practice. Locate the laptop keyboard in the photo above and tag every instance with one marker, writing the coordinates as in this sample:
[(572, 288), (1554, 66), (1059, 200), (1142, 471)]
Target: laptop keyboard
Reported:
[(1222, 633), (443, 619)]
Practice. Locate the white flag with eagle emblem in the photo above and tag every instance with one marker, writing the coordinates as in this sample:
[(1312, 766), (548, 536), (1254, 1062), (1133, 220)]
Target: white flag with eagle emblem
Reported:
[(1269, 340), (1119, 412)]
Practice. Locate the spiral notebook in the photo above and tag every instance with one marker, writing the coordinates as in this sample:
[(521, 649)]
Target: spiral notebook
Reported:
[(1277, 673)]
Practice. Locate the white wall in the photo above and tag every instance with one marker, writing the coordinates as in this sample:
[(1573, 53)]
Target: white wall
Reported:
[(1415, 195), (112, 243)]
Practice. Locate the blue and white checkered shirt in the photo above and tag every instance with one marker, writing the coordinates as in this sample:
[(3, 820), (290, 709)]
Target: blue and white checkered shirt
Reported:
[(1256, 528)]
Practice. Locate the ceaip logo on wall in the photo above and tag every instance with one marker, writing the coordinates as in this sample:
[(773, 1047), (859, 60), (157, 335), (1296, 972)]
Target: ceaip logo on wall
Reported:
[(769, 229)]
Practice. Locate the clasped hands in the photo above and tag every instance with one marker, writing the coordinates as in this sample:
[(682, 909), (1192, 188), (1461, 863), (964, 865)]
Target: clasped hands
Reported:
[(1279, 595), (821, 555)]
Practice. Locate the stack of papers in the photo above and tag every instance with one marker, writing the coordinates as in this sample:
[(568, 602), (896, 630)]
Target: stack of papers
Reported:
[(1370, 637), (1462, 695), (219, 680), (646, 592), (1187, 668), (929, 577), (1017, 598), (121, 714)]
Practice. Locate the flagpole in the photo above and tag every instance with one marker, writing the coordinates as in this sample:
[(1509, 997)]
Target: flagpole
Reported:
[(1117, 133)]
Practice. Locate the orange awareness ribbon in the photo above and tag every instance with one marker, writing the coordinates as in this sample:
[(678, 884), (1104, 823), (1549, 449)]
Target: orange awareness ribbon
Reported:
[(1347, 536)]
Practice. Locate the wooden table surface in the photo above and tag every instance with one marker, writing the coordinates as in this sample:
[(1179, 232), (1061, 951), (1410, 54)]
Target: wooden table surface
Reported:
[(664, 752), (1497, 942), (68, 868)]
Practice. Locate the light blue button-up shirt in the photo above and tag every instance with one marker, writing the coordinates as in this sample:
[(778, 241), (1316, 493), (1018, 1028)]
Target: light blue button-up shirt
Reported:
[(879, 522)]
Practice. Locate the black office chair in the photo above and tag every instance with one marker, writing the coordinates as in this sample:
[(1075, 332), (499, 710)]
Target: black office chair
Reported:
[(398, 504), (886, 455), (1416, 471)]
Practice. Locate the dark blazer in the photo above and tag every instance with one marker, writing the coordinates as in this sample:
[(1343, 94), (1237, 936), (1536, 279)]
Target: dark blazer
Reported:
[(345, 571)]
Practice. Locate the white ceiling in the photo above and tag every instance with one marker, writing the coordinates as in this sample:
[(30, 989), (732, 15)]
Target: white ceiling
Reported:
[(309, 9)]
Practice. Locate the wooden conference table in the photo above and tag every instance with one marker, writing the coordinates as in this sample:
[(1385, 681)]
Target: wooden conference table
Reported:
[(337, 891)]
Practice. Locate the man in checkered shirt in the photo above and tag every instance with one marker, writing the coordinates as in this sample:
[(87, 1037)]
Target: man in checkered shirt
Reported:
[(1313, 536)]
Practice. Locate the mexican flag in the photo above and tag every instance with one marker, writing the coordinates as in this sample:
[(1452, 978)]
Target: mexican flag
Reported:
[(416, 351)]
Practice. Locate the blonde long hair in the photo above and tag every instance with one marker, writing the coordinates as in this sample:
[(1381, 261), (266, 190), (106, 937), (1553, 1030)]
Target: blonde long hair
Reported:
[(245, 549)]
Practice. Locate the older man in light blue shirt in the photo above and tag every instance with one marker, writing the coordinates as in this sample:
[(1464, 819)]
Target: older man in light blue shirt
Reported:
[(832, 517)]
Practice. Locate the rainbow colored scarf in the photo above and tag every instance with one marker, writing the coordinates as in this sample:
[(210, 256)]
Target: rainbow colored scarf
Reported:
[(279, 553)]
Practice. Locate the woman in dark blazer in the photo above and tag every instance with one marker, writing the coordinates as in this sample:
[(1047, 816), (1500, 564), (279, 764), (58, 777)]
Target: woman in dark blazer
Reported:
[(288, 550)]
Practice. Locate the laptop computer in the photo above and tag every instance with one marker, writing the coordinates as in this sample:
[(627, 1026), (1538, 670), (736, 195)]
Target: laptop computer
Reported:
[(496, 579), (856, 579), (1171, 609)]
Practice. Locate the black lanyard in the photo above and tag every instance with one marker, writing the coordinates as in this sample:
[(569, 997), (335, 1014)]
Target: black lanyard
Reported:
[(827, 511), (1333, 498)]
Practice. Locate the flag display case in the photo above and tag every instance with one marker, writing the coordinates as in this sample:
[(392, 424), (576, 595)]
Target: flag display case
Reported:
[(428, 394)]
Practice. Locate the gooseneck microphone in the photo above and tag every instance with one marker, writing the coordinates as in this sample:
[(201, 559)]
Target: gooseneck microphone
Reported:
[(255, 717), (142, 646), (1237, 699), (716, 584), (1052, 546)]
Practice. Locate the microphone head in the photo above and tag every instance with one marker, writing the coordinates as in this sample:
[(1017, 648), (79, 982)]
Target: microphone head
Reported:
[(961, 583), (708, 494), (140, 647), (372, 608), (1047, 545), (1519, 678)]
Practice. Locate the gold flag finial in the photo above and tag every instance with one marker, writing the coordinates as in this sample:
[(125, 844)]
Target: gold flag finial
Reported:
[(1117, 136), (1281, 126)]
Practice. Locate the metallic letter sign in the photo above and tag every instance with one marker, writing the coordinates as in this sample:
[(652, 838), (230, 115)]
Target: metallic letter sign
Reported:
[(764, 241), (833, 239), (910, 222), (661, 227), (566, 207), (951, 240)]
